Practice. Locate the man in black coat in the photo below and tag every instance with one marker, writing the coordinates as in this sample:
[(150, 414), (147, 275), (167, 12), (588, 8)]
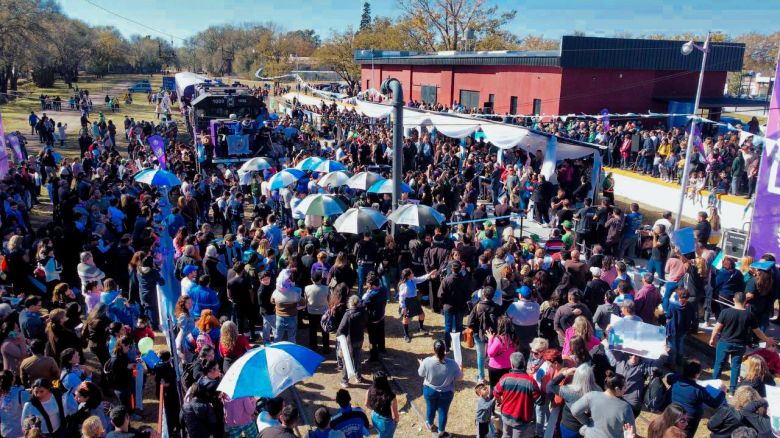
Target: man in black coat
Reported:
[(352, 326), (454, 293), (541, 197)]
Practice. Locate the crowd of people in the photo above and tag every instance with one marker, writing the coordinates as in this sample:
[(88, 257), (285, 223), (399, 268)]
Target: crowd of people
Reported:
[(80, 291)]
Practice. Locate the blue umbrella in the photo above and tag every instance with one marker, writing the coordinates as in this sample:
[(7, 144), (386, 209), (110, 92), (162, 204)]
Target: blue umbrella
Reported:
[(157, 177), (268, 370), (327, 166), (386, 186), (308, 163), (285, 178)]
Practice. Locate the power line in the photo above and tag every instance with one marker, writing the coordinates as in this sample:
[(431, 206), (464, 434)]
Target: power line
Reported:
[(134, 21)]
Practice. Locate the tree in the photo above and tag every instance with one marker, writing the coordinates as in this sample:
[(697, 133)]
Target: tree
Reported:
[(337, 54), (108, 53), (539, 43), (365, 17), (444, 23)]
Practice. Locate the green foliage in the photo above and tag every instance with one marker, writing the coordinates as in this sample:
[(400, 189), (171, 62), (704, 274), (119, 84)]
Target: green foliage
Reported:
[(365, 17)]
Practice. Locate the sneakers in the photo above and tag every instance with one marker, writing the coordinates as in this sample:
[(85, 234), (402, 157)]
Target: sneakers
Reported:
[(407, 339)]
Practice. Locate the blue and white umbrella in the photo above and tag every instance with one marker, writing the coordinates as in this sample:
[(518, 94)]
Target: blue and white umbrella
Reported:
[(363, 180), (359, 220), (268, 370), (257, 164), (320, 205), (416, 215), (327, 166), (285, 178), (334, 179), (157, 177), (308, 163), (386, 186)]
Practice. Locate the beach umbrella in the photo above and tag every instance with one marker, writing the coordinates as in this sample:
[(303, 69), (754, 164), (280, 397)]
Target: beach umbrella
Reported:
[(308, 163), (256, 164), (334, 179), (157, 177), (268, 370), (386, 186), (327, 166), (416, 215), (359, 220), (321, 205), (285, 178), (363, 180)]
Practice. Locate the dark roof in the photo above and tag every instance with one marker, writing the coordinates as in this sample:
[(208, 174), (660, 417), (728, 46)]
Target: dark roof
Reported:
[(500, 57), (638, 54), (577, 52)]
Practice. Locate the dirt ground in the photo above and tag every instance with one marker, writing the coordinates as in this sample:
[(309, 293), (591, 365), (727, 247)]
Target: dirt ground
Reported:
[(401, 358)]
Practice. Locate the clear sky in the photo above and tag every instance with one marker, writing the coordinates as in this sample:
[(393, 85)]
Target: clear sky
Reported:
[(549, 18)]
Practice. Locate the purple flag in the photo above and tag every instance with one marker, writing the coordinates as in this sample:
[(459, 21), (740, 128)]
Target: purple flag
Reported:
[(697, 139), (605, 119), (13, 140), (157, 144), (3, 153), (765, 227)]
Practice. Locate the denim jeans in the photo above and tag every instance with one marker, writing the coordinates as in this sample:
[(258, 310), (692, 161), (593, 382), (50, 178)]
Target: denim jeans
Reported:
[(733, 349), (362, 272), (677, 350), (286, 326), (480, 347), (269, 327), (384, 425), (671, 286), (437, 403), (542, 414), (453, 322), (656, 266)]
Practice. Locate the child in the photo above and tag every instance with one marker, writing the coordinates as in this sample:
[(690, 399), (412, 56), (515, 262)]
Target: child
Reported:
[(322, 421), (142, 329), (721, 187), (91, 294), (701, 182), (485, 406)]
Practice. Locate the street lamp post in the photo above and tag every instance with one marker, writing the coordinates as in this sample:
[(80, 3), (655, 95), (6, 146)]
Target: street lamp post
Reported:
[(394, 85), (687, 48)]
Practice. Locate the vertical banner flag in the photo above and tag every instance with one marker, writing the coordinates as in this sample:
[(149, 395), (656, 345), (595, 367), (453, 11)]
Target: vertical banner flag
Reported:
[(13, 141), (548, 166), (765, 227), (605, 119), (3, 153), (697, 138), (157, 144)]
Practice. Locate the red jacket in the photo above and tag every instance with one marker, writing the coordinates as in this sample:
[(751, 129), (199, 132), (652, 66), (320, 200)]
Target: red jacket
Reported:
[(517, 392), (771, 357)]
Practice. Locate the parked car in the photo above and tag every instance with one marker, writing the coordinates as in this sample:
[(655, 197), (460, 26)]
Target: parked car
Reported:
[(140, 87)]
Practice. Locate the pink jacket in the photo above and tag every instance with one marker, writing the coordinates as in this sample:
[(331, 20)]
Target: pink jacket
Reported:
[(498, 350), (569, 335)]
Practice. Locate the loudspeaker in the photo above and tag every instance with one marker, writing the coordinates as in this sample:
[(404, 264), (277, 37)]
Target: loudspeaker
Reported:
[(734, 243)]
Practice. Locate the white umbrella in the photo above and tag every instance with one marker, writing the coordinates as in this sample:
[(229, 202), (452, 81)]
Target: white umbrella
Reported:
[(284, 178), (386, 186), (334, 179), (359, 220), (416, 215), (364, 180), (326, 166), (308, 163), (320, 205), (256, 164)]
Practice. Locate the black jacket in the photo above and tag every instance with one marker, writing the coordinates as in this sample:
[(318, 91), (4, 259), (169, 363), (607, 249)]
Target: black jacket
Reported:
[(484, 316), (724, 421), (454, 291), (353, 325), (199, 418)]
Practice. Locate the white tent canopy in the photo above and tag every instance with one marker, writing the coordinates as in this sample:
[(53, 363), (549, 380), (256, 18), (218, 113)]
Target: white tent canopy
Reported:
[(185, 80)]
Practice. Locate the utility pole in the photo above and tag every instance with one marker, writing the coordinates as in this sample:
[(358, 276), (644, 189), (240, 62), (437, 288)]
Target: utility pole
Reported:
[(394, 85)]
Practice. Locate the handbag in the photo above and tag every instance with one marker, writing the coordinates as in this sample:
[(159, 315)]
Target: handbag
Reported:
[(468, 336)]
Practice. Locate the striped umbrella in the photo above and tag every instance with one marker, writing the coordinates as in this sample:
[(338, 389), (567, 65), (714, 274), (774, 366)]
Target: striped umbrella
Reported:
[(359, 220), (416, 215), (327, 166), (308, 163), (268, 370), (157, 177), (334, 179), (386, 186), (256, 164), (320, 205), (285, 178), (363, 180)]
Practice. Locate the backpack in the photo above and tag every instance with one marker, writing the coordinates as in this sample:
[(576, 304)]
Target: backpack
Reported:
[(188, 374), (657, 395), (326, 322), (546, 323)]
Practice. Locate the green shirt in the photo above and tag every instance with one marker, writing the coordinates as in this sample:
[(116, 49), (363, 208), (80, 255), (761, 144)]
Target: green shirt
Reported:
[(568, 240)]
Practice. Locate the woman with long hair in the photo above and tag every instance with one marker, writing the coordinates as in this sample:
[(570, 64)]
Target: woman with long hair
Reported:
[(95, 332), (58, 336), (673, 417), (501, 344), (580, 328), (582, 381), (744, 267), (14, 347), (381, 399), (760, 295), (207, 324), (62, 295), (121, 369), (409, 300), (341, 271), (755, 374), (232, 345), (133, 289), (439, 373), (90, 404), (390, 258)]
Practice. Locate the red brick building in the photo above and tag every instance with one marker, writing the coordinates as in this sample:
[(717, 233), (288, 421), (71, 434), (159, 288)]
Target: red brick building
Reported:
[(585, 75)]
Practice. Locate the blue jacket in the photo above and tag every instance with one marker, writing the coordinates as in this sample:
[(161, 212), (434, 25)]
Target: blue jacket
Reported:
[(148, 279), (692, 396), (125, 314), (203, 298), (679, 319), (375, 301), (727, 283)]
